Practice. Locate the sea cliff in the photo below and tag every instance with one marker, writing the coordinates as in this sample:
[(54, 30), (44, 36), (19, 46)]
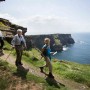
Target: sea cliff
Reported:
[(57, 41)]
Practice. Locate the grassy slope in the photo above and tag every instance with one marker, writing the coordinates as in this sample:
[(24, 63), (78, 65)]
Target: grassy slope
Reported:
[(65, 69), (74, 71), (11, 79), (2, 26)]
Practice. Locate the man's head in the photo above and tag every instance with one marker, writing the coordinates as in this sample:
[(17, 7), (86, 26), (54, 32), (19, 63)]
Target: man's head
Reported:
[(19, 32), (47, 41)]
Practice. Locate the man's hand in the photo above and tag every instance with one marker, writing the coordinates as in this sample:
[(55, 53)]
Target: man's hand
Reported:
[(25, 47)]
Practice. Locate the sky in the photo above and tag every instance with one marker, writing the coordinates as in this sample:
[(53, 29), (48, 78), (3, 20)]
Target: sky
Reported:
[(48, 16)]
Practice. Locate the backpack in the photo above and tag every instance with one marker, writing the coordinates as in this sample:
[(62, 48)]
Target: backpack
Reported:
[(44, 53)]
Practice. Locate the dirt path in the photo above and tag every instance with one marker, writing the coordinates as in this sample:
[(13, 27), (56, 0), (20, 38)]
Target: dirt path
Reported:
[(35, 71)]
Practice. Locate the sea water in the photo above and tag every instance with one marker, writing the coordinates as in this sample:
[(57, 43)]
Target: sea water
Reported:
[(78, 52)]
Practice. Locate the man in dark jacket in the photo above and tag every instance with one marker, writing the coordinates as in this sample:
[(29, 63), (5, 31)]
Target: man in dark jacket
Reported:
[(1, 43)]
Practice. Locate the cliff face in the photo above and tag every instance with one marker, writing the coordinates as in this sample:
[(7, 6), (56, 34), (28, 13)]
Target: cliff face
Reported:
[(57, 41)]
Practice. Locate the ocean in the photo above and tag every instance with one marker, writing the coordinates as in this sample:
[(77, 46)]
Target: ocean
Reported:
[(78, 52)]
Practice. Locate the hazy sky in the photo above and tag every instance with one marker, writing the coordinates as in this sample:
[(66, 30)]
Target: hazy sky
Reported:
[(48, 16)]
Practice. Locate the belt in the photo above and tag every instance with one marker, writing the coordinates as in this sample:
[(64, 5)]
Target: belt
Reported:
[(18, 45)]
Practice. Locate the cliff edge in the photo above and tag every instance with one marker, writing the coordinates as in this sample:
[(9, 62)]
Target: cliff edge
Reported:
[(57, 41)]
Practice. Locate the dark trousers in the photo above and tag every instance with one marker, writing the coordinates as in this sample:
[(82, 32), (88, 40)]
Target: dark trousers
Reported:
[(1, 43), (19, 51)]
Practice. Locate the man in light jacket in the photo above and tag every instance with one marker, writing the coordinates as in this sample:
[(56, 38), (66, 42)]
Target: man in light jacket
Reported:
[(19, 44)]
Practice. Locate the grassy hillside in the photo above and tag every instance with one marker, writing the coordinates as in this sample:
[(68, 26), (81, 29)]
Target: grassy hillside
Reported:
[(65, 69), (11, 79), (2, 26), (62, 69), (70, 70)]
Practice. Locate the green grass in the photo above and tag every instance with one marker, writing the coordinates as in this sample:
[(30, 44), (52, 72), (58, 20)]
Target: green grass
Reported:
[(10, 77), (70, 70), (32, 57), (4, 77), (7, 46), (57, 41), (74, 71), (2, 26), (65, 69), (55, 36)]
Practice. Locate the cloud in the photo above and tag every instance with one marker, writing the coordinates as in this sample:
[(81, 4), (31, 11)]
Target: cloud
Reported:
[(9, 17), (40, 24), (49, 24)]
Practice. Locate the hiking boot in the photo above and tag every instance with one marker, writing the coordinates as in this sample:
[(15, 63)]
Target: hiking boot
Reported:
[(17, 64), (20, 63), (41, 68), (50, 75)]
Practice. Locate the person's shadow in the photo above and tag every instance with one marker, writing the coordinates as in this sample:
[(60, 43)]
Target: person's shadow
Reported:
[(53, 82), (21, 72)]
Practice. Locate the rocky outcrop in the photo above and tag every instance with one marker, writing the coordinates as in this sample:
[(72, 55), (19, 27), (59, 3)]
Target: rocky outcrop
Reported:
[(9, 29), (57, 41), (66, 39)]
